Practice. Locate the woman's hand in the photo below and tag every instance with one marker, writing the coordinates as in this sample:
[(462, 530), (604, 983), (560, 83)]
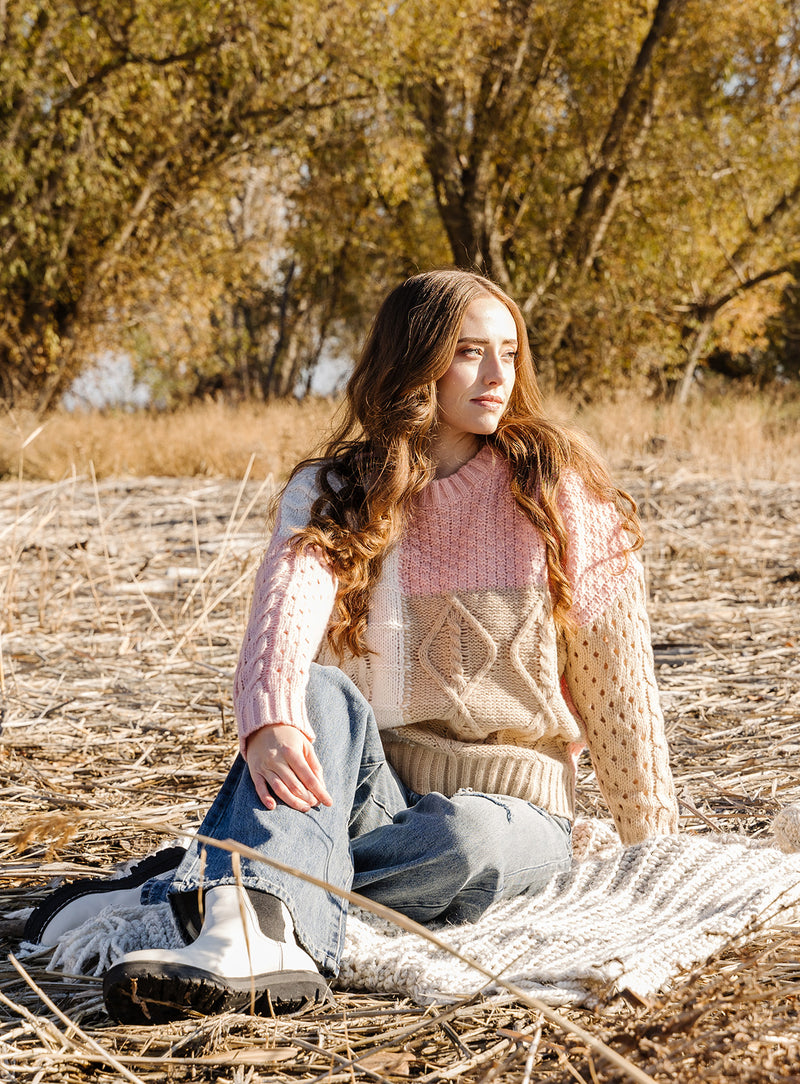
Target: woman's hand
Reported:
[(283, 764)]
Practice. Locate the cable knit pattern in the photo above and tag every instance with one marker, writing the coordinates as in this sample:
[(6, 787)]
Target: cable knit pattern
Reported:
[(292, 602), (470, 684)]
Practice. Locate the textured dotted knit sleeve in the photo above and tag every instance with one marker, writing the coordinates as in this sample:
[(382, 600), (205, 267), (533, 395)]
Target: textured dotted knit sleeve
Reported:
[(292, 602), (610, 676)]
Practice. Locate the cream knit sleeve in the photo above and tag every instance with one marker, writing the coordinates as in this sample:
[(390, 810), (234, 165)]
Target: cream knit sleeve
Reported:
[(611, 677), (292, 602)]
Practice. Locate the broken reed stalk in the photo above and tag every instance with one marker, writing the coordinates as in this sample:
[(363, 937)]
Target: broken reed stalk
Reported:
[(90, 1042), (104, 538), (236, 864)]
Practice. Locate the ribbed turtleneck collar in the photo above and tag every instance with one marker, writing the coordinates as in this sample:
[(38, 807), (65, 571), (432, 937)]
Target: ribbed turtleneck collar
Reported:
[(446, 491)]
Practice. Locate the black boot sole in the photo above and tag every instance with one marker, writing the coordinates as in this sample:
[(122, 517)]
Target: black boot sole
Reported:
[(150, 992), (152, 866)]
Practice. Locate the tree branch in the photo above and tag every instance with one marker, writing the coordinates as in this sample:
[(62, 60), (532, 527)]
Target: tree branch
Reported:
[(632, 111)]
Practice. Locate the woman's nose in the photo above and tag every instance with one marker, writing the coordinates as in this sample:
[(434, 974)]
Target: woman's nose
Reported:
[(492, 368)]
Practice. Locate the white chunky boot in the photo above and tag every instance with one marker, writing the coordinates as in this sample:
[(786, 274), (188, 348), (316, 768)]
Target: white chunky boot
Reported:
[(242, 961), (73, 904)]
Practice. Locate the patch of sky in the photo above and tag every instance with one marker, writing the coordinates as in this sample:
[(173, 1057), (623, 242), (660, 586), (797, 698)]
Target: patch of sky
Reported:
[(108, 383), (329, 375)]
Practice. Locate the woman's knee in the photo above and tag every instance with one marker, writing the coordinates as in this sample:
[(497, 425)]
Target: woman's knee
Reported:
[(480, 829), (346, 734), (491, 832), (469, 831)]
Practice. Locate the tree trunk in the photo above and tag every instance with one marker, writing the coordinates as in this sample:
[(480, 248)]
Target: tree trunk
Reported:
[(698, 342)]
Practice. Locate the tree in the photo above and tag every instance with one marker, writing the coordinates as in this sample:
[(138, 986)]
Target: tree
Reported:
[(781, 357), (111, 112), (281, 259), (624, 169), (627, 170)]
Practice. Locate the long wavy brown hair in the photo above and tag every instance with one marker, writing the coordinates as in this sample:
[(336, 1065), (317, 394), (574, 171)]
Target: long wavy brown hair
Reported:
[(380, 456)]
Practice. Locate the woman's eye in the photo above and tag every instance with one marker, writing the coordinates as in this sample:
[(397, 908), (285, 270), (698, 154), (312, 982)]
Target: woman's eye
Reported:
[(471, 351)]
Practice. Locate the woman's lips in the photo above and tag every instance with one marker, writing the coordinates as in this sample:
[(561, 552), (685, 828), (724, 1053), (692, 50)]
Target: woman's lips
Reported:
[(488, 400)]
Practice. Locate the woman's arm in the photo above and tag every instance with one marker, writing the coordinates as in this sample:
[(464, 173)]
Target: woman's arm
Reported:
[(609, 669), (611, 678), (292, 602)]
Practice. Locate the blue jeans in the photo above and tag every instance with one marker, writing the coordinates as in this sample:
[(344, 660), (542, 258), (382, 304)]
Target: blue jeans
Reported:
[(428, 856)]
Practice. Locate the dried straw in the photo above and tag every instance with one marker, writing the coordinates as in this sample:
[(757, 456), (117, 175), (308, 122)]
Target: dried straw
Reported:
[(123, 606)]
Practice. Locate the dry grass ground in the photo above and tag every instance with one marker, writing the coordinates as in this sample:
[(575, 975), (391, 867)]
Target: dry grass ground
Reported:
[(123, 604), (209, 440)]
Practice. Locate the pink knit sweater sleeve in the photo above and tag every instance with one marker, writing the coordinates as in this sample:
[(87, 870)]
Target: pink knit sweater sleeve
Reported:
[(598, 566), (292, 602)]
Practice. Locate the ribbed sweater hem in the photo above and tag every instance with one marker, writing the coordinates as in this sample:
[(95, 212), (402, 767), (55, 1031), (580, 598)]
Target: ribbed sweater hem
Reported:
[(449, 766)]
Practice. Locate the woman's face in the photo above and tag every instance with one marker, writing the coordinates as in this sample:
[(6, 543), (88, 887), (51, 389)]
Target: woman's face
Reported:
[(474, 392)]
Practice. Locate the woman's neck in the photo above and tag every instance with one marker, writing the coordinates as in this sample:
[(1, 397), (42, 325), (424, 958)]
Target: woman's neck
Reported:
[(450, 452)]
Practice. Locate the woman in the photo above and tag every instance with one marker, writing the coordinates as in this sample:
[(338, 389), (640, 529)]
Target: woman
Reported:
[(448, 611)]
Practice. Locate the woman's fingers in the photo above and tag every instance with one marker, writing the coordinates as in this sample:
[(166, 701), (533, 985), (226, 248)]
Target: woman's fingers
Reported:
[(301, 775), (320, 789), (283, 765), (269, 786), (292, 795), (307, 771), (262, 790), (270, 783)]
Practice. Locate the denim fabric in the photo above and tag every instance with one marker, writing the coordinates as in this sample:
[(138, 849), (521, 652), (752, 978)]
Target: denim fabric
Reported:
[(429, 856)]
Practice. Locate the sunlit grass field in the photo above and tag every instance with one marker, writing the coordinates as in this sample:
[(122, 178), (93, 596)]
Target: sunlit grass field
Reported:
[(737, 435)]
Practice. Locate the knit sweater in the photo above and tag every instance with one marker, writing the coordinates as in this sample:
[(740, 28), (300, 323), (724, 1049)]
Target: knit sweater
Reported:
[(470, 683)]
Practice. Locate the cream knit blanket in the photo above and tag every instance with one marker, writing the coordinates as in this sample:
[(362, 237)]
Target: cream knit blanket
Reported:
[(622, 918)]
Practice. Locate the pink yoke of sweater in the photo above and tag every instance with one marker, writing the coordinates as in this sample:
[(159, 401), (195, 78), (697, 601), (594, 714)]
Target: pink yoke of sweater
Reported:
[(468, 534)]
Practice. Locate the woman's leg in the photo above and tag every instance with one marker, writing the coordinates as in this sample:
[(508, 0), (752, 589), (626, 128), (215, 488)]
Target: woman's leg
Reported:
[(428, 857), (75, 903), (441, 857), (244, 950), (365, 794), (450, 858)]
